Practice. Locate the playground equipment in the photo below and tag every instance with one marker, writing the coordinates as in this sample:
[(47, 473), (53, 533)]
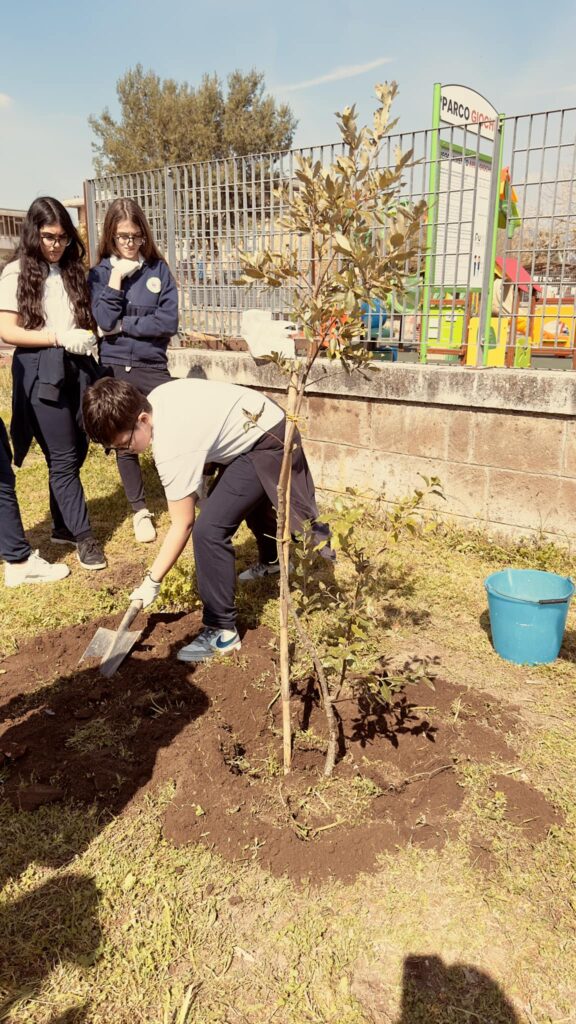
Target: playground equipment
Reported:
[(394, 323), (508, 215), (510, 325), (378, 336), (554, 324), (503, 348), (447, 327), (374, 316), (522, 324)]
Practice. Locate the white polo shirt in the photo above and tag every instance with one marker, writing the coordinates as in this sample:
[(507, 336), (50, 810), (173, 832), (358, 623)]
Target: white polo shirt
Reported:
[(57, 306), (199, 421)]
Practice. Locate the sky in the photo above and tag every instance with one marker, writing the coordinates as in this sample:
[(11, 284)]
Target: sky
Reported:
[(61, 62)]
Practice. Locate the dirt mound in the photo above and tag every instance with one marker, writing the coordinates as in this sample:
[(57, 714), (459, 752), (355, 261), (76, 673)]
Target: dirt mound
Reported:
[(65, 731)]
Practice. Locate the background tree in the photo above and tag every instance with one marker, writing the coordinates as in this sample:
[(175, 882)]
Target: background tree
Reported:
[(167, 122)]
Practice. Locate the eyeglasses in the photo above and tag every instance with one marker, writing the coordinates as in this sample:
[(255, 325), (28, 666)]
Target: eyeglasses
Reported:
[(124, 239), (59, 240), (123, 447)]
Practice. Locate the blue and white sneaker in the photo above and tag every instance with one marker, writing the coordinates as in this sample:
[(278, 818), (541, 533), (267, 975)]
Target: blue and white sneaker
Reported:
[(210, 641)]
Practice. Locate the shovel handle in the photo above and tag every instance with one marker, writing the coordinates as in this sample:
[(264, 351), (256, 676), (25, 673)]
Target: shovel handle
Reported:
[(135, 607)]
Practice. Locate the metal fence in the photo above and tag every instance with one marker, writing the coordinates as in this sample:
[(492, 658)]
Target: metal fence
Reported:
[(541, 153), (473, 293)]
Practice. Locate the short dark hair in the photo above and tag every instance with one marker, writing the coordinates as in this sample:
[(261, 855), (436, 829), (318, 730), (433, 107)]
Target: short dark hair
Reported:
[(110, 407)]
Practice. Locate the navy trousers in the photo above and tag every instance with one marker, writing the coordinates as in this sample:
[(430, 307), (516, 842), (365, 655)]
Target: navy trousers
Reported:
[(145, 378), (65, 446), (13, 544), (237, 497)]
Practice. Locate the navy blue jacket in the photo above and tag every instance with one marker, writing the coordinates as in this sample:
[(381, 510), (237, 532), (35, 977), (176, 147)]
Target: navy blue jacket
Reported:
[(147, 305)]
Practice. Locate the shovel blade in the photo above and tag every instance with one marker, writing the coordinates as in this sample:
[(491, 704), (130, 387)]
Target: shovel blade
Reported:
[(112, 645), (100, 643), (121, 645)]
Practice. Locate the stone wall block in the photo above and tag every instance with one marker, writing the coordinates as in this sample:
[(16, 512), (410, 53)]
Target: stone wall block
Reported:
[(562, 520), (314, 451), (517, 441), (465, 491), (334, 465), (342, 420), (569, 464), (402, 474), (364, 472), (525, 500), (410, 429), (460, 425)]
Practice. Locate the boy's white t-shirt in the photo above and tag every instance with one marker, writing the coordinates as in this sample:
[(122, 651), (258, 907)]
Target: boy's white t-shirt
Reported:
[(57, 306), (199, 421)]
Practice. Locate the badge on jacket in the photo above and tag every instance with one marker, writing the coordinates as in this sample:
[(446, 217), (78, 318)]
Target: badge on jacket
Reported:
[(154, 284)]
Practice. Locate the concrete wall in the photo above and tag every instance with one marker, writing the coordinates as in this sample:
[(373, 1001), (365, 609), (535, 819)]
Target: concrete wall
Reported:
[(503, 442)]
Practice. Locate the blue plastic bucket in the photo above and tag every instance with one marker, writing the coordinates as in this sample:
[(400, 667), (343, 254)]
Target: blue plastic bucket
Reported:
[(528, 610)]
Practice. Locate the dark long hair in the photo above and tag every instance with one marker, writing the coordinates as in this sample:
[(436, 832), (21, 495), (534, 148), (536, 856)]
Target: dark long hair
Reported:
[(126, 209), (34, 268)]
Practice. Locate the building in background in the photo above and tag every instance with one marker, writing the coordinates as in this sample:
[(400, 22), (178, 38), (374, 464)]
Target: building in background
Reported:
[(10, 224)]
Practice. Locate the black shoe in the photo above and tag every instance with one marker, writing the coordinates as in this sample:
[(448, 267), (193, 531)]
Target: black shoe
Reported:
[(90, 554), (62, 536)]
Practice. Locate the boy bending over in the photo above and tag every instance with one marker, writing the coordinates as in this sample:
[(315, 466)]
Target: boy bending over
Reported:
[(191, 423)]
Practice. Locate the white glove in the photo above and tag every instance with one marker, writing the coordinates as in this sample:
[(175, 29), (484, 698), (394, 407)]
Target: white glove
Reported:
[(125, 266), (147, 592), (78, 341)]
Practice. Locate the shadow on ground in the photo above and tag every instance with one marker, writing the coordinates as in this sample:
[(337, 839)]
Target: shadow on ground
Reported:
[(106, 736), (449, 993)]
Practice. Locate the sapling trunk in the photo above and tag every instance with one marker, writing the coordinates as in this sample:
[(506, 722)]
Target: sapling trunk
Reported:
[(283, 543), (283, 538), (332, 748)]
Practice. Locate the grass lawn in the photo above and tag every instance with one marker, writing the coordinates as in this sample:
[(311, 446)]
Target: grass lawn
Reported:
[(104, 920)]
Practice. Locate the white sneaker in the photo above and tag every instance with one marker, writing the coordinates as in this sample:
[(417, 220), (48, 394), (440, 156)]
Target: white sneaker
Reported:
[(144, 529), (209, 642), (34, 570), (259, 571)]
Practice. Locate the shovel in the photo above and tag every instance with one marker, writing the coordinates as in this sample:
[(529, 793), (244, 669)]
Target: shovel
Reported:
[(112, 645)]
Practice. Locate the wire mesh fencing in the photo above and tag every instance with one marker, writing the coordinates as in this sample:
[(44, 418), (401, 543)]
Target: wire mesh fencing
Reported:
[(493, 273)]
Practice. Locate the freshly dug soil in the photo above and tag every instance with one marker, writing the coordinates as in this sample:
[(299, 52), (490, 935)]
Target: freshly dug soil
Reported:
[(66, 732)]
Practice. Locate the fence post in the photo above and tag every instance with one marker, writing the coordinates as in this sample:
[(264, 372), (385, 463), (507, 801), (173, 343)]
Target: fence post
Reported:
[(432, 224), (90, 207), (485, 316), (170, 232)]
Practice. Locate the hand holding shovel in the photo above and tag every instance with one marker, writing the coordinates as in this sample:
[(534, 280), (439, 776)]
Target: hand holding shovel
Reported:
[(112, 646)]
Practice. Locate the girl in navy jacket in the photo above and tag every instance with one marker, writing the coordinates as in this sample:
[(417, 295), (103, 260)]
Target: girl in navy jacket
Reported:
[(135, 305)]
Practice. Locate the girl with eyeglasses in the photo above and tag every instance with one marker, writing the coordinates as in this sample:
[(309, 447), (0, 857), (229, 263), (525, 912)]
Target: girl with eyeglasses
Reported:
[(45, 314), (135, 305)]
